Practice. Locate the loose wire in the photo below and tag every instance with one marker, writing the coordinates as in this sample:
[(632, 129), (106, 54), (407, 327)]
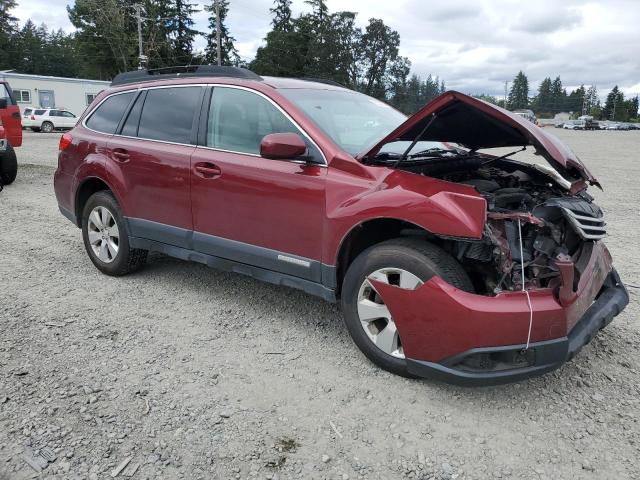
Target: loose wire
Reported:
[(523, 289)]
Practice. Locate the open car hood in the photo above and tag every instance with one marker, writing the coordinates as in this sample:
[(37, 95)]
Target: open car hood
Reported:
[(476, 125)]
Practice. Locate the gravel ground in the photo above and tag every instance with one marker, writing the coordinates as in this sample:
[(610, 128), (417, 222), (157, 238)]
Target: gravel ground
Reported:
[(195, 373)]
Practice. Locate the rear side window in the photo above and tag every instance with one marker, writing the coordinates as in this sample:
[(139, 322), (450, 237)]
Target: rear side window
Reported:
[(168, 113), (39, 112), (107, 116)]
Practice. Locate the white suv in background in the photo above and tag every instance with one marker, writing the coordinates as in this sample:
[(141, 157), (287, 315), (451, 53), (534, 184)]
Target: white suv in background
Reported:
[(49, 119)]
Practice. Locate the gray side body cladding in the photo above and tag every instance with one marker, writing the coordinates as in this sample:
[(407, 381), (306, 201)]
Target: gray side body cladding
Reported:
[(262, 263)]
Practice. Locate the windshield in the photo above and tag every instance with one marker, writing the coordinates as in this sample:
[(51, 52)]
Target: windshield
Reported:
[(353, 121)]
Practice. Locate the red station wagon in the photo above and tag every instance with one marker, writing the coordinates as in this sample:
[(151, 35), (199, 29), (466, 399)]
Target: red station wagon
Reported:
[(448, 262)]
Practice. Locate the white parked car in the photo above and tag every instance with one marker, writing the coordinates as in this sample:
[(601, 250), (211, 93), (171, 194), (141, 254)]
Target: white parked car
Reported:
[(49, 119), (574, 125)]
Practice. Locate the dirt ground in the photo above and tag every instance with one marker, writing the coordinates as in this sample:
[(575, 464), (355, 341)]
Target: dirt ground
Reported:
[(194, 373)]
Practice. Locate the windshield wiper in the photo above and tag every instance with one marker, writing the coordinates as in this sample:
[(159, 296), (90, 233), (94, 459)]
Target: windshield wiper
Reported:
[(415, 140), (439, 152)]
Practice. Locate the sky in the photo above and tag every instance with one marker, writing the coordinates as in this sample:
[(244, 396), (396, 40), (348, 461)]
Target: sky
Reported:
[(474, 45)]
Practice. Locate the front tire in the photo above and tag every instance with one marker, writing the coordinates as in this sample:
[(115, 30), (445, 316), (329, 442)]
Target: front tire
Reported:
[(8, 166), (106, 238), (407, 263)]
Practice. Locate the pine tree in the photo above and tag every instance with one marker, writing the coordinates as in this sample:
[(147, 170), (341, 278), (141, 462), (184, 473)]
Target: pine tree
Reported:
[(181, 32), (281, 20), (519, 94), (633, 108), (614, 105), (558, 96), (8, 31), (542, 103), (228, 53)]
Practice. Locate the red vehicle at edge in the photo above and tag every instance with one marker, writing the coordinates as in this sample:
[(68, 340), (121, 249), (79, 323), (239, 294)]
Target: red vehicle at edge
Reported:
[(448, 263), (10, 134)]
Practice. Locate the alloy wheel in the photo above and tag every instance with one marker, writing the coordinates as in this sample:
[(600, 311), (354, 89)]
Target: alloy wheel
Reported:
[(375, 318), (104, 234)]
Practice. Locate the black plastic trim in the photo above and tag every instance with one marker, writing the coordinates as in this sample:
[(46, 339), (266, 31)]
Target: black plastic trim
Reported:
[(244, 253), (549, 355), (69, 215), (188, 71), (258, 273)]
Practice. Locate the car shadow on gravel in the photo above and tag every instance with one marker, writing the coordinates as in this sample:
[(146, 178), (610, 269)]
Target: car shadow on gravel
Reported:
[(247, 294)]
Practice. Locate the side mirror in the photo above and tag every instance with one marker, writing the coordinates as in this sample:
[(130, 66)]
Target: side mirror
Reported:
[(282, 146), (3, 103)]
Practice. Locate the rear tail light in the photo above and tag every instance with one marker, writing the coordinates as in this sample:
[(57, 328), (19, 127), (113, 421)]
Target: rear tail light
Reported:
[(65, 141), (33, 117)]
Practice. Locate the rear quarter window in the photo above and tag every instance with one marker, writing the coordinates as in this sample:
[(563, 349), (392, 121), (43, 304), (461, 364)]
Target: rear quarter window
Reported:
[(107, 116)]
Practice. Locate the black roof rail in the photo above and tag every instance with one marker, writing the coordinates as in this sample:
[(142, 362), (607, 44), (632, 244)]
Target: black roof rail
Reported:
[(326, 81), (189, 71)]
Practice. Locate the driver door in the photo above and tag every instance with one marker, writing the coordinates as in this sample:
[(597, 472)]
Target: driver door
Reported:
[(249, 209)]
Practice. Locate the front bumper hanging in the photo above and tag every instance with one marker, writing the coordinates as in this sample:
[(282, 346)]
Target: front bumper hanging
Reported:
[(544, 356)]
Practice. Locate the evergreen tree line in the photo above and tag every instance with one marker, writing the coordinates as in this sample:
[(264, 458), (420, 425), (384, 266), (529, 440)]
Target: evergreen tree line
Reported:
[(552, 98), (316, 44)]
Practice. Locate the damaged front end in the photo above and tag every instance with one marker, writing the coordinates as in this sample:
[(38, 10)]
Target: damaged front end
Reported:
[(544, 283), (532, 222)]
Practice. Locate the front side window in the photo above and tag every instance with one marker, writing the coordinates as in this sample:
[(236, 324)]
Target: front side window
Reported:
[(168, 113), (352, 120), (239, 120), (107, 116), (67, 114)]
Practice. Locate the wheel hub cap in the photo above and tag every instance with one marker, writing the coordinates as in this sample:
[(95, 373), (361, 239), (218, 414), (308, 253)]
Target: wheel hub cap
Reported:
[(375, 318), (104, 234)]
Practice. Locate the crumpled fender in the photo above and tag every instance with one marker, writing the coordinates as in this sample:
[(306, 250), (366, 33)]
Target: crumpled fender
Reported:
[(440, 207)]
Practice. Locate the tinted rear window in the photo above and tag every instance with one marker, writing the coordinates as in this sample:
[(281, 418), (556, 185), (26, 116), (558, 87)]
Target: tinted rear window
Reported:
[(107, 116), (168, 114)]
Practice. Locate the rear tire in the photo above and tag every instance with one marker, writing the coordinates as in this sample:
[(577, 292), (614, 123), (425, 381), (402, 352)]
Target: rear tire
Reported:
[(8, 166), (418, 261), (106, 237), (47, 127)]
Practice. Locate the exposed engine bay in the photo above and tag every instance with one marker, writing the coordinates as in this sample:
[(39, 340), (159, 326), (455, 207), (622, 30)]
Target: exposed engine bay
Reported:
[(533, 220)]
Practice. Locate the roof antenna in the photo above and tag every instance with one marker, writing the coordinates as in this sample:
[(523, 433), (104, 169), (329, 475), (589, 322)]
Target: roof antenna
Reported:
[(416, 140)]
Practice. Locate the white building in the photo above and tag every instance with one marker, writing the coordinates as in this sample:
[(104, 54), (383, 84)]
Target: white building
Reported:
[(39, 91)]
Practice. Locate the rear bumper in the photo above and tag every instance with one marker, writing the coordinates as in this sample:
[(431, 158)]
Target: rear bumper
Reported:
[(547, 355)]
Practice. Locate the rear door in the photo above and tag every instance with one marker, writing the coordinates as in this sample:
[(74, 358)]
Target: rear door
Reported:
[(10, 115), (150, 158)]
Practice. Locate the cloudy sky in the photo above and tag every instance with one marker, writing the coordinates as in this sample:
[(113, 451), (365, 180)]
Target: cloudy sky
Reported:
[(474, 45)]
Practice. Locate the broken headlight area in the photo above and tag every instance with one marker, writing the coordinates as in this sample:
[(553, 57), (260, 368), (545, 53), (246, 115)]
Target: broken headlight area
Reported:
[(532, 220)]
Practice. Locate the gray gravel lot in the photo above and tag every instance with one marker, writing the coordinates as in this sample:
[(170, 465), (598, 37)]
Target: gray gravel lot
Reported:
[(195, 373)]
